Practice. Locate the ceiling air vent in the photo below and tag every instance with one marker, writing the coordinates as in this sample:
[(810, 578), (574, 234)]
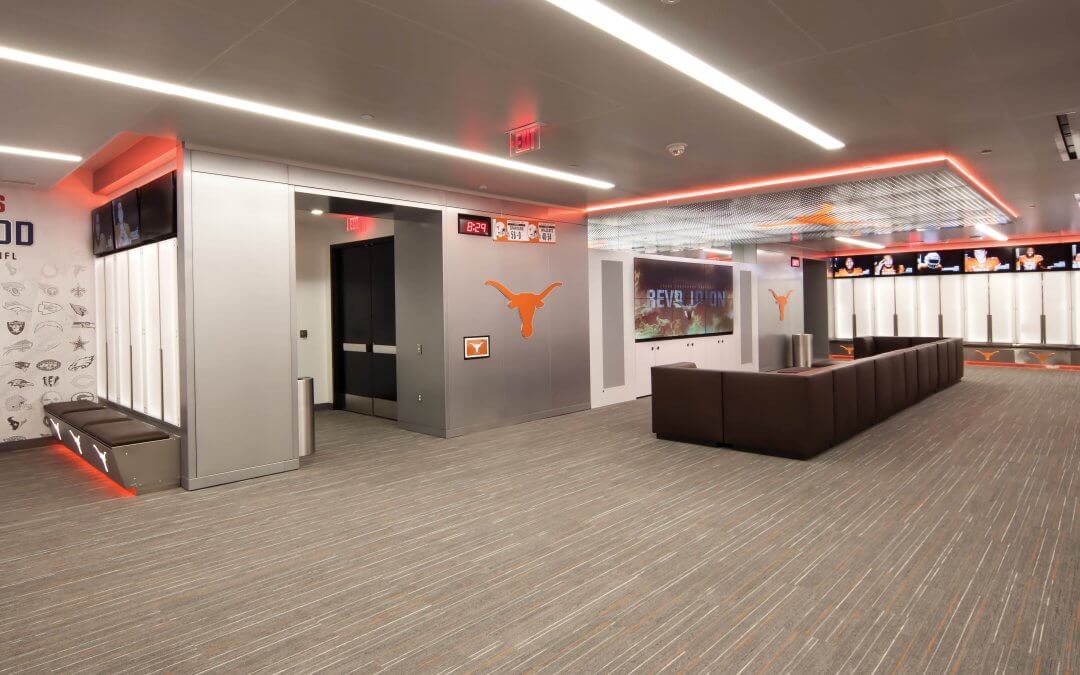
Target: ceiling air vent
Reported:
[(1066, 141)]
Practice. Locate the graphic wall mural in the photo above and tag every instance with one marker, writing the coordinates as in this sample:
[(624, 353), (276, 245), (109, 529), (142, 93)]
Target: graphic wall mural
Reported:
[(47, 345)]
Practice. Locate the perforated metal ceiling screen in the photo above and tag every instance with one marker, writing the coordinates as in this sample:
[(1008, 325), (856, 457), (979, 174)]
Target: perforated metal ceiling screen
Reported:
[(932, 200)]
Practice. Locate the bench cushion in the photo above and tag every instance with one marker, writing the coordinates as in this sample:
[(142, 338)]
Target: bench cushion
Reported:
[(65, 407), (115, 434), (87, 417)]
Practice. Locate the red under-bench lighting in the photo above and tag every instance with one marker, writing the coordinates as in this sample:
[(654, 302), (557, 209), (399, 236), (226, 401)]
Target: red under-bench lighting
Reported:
[(90, 472)]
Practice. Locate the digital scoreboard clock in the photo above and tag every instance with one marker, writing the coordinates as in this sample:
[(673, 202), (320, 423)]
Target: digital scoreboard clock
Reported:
[(477, 226)]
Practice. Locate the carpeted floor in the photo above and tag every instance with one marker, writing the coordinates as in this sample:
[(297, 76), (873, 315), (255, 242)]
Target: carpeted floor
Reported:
[(944, 539)]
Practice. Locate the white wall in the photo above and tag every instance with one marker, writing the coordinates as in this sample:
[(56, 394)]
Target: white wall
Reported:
[(314, 237), (706, 352), (48, 344)]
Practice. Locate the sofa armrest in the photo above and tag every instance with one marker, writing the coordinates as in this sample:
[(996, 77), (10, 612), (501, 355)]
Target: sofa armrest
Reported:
[(686, 403), (790, 415)]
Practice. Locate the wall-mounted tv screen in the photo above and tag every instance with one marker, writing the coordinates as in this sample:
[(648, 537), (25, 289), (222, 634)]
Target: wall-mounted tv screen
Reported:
[(988, 260), (679, 299), (101, 229), (1046, 258), (1076, 256), (157, 209), (852, 266), (126, 220), (894, 264), (939, 262)]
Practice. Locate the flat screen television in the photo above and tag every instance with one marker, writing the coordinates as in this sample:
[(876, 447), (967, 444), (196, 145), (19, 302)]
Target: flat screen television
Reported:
[(157, 209), (980, 260), (894, 264), (101, 229), (1045, 258), (852, 266), (1076, 256), (680, 299), (125, 210), (933, 263)]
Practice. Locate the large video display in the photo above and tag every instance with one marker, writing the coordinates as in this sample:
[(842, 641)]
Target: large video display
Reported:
[(678, 299), (990, 260)]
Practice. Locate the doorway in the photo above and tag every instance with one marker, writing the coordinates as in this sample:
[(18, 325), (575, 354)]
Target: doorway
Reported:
[(364, 341)]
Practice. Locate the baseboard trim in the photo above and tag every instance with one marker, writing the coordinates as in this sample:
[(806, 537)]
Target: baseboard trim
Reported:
[(200, 482), (323, 406), (25, 443), (423, 429)]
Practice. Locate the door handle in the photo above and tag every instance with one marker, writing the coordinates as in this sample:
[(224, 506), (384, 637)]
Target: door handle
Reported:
[(384, 349), (354, 347)]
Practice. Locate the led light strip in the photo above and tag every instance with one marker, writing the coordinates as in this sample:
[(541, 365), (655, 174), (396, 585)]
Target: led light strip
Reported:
[(275, 112), (860, 243), (811, 177), (40, 154), (991, 232), (611, 22)]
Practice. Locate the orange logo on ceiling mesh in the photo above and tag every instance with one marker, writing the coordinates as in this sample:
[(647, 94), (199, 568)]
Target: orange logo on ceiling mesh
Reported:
[(823, 217), (525, 303), (781, 301), (987, 355)]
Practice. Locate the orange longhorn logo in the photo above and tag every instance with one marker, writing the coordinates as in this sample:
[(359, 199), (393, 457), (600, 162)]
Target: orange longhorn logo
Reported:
[(823, 217), (849, 350), (1042, 357), (986, 355), (525, 303), (781, 301)]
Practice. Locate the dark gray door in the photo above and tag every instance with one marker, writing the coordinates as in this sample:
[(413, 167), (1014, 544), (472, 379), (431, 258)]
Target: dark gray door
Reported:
[(364, 342)]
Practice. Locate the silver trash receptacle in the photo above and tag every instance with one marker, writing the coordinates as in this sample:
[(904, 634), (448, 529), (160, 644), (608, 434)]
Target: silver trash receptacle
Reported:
[(305, 402), (802, 350)]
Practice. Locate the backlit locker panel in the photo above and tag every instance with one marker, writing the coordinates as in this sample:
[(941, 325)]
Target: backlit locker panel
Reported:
[(112, 327), (976, 307), (952, 306), (1056, 303), (1029, 305), (906, 306), (1075, 310), (137, 314), (101, 324), (929, 306), (843, 306), (123, 332), (832, 308), (1002, 307), (170, 331), (864, 307), (151, 342), (884, 306)]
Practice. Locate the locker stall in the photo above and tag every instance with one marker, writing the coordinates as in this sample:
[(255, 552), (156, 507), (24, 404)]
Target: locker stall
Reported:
[(863, 302), (951, 293), (1002, 307), (1029, 308), (1057, 299), (928, 298), (843, 308), (976, 308), (907, 310), (884, 306)]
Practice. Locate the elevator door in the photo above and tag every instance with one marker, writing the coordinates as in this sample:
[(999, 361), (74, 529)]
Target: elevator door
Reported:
[(364, 343)]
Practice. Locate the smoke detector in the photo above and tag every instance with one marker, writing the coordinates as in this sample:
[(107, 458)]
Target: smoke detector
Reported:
[(677, 149)]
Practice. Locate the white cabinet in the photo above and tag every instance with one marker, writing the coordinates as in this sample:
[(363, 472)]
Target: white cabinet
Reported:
[(718, 352)]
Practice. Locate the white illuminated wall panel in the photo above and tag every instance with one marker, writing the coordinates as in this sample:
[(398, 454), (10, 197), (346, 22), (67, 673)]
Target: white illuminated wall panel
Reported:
[(906, 306), (976, 306), (123, 332), (952, 306), (929, 306), (112, 329), (884, 306), (843, 307), (168, 291), (1002, 306), (101, 324), (1056, 303), (864, 306), (151, 339), (1076, 311), (137, 314), (1029, 293)]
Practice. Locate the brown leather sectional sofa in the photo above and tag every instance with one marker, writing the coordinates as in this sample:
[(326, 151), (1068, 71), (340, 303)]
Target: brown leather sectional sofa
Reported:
[(802, 414)]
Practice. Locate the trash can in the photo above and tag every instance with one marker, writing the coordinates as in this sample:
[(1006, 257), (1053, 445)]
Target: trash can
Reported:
[(305, 403), (802, 350)]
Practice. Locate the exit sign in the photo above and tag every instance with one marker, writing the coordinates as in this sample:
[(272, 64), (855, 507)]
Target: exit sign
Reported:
[(524, 139)]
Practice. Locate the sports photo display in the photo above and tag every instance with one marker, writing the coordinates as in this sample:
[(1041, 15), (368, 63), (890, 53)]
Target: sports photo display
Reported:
[(989, 260)]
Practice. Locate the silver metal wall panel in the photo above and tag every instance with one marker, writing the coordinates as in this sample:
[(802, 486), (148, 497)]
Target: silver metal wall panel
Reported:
[(613, 322), (746, 317)]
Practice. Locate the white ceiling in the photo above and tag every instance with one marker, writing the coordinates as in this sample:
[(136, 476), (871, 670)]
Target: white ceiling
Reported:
[(885, 76)]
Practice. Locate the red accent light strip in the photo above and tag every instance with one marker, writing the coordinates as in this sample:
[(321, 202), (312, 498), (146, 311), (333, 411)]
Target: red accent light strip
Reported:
[(92, 473), (811, 177)]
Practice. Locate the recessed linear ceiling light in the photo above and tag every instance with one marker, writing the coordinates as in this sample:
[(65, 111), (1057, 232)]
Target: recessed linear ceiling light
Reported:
[(611, 22), (317, 212), (859, 242), (717, 251), (991, 232), (40, 154), (307, 119)]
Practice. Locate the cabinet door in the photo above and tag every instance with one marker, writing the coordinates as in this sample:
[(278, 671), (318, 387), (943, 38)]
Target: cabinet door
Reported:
[(644, 358), (929, 290), (673, 351)]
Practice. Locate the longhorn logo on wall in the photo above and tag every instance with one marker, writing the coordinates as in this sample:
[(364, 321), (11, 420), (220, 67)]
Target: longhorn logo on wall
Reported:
[(986, 355), (526, 304), (781, 301)]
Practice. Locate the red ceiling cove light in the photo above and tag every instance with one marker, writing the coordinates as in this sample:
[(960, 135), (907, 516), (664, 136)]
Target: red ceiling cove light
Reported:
[(824, 175)]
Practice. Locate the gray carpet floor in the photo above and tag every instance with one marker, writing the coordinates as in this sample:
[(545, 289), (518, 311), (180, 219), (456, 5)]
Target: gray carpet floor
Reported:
[(943, 540)]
